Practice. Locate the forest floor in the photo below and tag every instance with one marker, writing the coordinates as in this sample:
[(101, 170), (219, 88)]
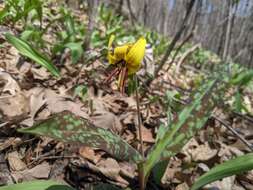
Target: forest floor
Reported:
[(28, 94)]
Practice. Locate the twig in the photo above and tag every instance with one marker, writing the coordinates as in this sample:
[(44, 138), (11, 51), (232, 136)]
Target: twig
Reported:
[(234, 132), (250, 119), (187, 38), (185, 55), (174, 41), (43, 157)]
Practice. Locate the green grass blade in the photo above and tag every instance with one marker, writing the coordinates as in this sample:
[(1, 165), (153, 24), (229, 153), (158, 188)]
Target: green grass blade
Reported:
[(228, 168), (189, 121), (26, 50), (37, 185), (67, 127)]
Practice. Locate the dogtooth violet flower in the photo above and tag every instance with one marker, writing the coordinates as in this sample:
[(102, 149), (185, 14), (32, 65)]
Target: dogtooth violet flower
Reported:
[(127, 58)]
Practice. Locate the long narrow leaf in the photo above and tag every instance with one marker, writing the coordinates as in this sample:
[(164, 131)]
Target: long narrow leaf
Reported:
[(229, 168), (25, 49), (37, 185), (70, 128), (189, 121)]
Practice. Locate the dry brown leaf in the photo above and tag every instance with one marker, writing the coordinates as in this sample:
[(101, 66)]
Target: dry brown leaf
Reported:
[(182, 186), (89, 153), (11, 58), (14, 105), (199, 152), (12, 141), (16, 164), (128, 169), (107, 120), (40, 171), (40, 73), (147, 135), (57, 103), (36, 96), (11, 86), (110, 168)]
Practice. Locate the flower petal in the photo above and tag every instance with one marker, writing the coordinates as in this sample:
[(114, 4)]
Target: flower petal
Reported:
[(135, 55), (121, 51), (112, 37), (110, 56)]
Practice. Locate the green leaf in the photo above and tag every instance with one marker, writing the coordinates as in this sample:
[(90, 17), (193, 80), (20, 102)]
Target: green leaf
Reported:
[(243, 78), (106, 186), (189, 121), (232, 167), (76, 50), (26, 50), (159, 170), (37, 185), (3, 14), (67, 127)]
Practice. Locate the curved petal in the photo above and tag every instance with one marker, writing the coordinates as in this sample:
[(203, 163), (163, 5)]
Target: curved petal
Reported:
[(121, 51), (135, 55), (110, 56), (112, 37)]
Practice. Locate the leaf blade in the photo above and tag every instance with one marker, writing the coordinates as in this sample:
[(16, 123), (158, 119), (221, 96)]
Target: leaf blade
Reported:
[(26, 50), (191, 119), (67, 127), (38, 185), (228, 168)]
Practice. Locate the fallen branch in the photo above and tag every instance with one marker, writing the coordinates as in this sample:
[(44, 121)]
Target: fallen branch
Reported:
[(249, 145), (185, 55)]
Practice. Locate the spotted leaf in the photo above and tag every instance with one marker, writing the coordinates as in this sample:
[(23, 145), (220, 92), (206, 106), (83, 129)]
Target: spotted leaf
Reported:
[(69, 128)]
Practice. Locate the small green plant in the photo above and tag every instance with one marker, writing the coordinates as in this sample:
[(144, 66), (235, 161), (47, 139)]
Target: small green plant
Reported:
[(70, 37), (25, 49), (70, 128), (22, 10), (67, 127), (108, 24)]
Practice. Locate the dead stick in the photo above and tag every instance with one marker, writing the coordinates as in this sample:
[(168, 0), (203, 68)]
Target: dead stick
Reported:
[(234, 132)]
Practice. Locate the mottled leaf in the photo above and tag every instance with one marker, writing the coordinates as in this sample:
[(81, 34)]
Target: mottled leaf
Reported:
[(228, 168), (67, 127), (189, 121), (37, 185)]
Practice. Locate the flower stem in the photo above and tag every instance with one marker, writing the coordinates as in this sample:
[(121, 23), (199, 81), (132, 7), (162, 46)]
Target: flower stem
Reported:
[(140, 166), (139, 116)]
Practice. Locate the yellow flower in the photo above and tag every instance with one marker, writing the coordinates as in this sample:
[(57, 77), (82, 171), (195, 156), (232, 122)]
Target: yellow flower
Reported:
[(129, 54), (127, 59)]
